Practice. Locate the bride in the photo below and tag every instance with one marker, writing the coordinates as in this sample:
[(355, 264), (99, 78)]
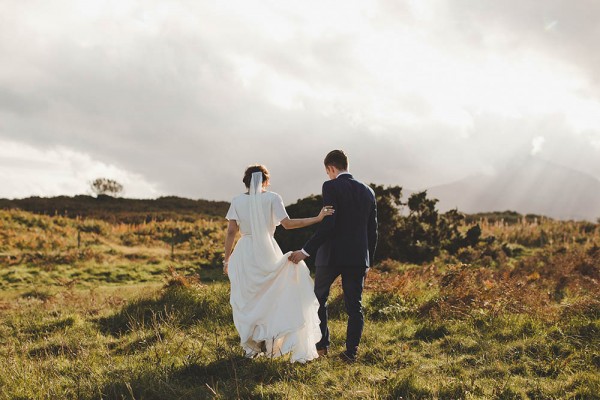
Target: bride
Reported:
[(273, 301)]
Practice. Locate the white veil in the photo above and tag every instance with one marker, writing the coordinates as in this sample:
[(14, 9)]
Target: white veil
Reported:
[(264, 252)]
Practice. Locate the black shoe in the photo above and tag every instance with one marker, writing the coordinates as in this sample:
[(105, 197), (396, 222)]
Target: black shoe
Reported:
[(347, 357)]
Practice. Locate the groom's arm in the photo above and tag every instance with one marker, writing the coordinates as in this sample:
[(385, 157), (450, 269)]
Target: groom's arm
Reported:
[(327, 226), (324, 231)]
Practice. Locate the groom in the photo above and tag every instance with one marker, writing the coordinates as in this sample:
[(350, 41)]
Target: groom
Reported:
[(344, 244)]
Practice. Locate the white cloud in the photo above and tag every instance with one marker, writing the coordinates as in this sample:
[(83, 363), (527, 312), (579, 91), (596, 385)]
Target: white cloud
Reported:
[(418, 92), (26, 170), (537, 144)]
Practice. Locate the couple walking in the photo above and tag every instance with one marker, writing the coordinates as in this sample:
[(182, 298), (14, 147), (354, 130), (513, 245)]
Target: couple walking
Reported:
[(276, 308)]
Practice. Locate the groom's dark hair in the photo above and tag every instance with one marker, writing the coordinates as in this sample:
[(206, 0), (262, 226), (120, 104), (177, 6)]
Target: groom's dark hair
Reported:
[(337, 158)]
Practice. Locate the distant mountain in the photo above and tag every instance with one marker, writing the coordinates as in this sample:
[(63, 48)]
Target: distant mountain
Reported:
[(528, 186)]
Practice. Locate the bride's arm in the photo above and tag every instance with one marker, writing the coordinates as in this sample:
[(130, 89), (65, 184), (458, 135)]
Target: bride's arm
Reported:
[(232, 230), (295, 223)]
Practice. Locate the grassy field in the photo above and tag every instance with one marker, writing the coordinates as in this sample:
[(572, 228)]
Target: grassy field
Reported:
[(91, 309)]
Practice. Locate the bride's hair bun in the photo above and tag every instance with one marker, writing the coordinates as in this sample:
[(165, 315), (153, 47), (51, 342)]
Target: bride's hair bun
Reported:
[(252, 169)]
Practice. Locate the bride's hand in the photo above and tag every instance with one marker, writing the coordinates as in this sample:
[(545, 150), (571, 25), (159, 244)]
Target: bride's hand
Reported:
[(326, 211)]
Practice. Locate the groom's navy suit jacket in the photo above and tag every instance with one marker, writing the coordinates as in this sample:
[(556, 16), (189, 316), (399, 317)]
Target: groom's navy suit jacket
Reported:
[(348, 237)]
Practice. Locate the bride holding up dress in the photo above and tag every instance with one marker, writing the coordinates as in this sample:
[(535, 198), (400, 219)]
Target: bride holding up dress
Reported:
[(273, 300)]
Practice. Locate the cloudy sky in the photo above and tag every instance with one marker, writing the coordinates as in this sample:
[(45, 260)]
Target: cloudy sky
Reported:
[(178, 97)]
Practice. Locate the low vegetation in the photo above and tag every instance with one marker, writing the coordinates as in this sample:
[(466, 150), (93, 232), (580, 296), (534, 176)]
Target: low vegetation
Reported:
[(101, 309)]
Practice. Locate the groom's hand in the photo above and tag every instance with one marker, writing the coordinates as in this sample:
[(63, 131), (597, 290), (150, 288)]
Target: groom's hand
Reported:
[(297, 256)]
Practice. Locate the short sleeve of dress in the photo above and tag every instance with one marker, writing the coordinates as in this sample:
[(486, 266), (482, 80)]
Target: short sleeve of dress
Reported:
[(279, 212), (232, 214)]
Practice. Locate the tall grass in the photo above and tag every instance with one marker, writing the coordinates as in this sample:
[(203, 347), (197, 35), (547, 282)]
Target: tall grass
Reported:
[(121, 317)]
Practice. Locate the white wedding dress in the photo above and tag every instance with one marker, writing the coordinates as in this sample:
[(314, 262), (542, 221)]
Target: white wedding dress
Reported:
[(272, 298)]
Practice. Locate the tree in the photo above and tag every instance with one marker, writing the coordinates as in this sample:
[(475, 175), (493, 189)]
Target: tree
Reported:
[(417, 237), (104, 186), (388, 215), (420, 236), (389, 205)]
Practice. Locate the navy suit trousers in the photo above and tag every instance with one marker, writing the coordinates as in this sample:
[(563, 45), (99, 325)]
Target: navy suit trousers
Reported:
[(353, 280)]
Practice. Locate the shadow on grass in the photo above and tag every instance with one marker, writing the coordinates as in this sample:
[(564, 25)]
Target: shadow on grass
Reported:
[(227, 378), (135, 346), (47, 328), (429, 332), (176, 305), (56, 350)]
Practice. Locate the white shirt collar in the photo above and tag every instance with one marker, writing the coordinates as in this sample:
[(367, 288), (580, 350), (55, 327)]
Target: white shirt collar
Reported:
[(342, 173)]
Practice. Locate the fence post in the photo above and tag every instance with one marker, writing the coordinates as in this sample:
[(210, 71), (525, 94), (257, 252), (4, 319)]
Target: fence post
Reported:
[(172, 244)]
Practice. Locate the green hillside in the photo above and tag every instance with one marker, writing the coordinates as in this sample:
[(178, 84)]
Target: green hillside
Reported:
[(92, 308)]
